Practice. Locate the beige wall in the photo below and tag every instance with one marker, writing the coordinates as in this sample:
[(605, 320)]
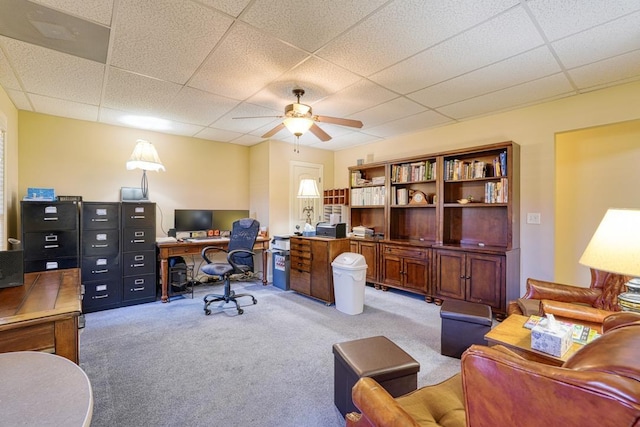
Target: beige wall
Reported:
[(9, 116), (88, 159), (596, 169), (534, 128)]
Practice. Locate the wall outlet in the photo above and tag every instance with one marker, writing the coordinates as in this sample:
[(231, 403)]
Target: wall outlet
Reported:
[(533, 218)]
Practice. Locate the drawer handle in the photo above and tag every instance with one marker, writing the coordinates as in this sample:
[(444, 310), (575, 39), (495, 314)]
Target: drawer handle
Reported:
[(51, 218), (100, 246), (137, 289), (99, 271), (138, 241), (51, 246), (137, 265), (137, 217), (50, 238), (100, 296), (99, 220), (138, 282)]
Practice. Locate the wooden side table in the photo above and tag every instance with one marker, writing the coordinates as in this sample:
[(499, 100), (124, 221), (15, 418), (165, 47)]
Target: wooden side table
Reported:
[(42, 314), (43, 389)]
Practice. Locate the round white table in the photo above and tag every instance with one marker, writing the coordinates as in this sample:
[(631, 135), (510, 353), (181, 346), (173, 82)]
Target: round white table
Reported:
[(43, 389)]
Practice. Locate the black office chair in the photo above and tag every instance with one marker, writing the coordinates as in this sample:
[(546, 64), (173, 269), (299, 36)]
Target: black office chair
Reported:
[(239, 261)]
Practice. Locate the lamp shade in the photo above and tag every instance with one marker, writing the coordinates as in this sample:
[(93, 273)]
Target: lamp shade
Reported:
[(298, 125), (144, 157), (615, 246), (308, 189)]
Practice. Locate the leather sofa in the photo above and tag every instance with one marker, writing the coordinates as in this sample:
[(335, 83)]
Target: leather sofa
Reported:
[(587, 306), (599, 384)]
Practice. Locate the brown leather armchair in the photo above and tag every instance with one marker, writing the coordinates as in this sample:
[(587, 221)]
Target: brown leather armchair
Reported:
[(588, 306), (599, 384)]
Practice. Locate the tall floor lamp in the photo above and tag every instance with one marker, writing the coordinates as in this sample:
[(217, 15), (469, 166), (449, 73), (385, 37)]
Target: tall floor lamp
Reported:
[(308, 190), (144, 157), (615, 247)]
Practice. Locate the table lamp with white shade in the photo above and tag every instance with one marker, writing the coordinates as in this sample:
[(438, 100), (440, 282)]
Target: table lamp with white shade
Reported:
[(615, 248), (144, 157)]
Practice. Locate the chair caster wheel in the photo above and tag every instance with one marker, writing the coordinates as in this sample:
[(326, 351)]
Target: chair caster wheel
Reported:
[(207, 311), (255, 301), (240, 311)]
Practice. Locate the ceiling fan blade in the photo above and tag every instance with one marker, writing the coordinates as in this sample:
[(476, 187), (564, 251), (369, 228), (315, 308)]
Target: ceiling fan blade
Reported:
[(339, 121), (258, 117), (322, 135), (273, 131)]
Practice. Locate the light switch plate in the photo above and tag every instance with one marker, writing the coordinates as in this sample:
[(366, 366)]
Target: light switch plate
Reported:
[(533, 218)]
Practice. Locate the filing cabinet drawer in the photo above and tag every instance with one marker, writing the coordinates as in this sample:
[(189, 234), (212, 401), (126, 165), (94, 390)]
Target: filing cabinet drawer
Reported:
[(39, 245), (138, 239), (300, 281), (139, 287), (56, 263), (42, 216), (100, 242), (101, 294), (100, 216), (138, 215), (300, 263), (135, 263), (101, 267)]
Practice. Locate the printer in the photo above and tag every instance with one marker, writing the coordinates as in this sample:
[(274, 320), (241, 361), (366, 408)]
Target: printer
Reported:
[(336, 231), (280, 243)]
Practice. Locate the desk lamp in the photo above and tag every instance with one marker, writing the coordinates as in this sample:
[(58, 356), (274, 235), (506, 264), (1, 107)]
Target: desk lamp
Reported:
[(308, 190), (144, 157), (615, 247)]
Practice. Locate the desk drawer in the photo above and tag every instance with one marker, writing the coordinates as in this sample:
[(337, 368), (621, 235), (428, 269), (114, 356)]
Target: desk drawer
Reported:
[(300, 281), (184, 250), (405, 252), (301, 245), (301, 263)]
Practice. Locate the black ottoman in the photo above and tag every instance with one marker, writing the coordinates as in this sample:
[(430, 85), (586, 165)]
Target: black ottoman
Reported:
[(463, 323), (375, 357)]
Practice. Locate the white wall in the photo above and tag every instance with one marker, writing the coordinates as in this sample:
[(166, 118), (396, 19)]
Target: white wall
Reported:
[(534, 128)]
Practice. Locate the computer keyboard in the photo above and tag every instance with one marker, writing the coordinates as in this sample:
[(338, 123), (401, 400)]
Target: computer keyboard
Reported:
[(205, 239)]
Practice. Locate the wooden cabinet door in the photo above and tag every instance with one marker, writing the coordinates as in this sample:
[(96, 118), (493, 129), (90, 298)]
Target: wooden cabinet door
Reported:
[(321, 272), (392, 270), (369, 250), (450, 274), (415, 274), (485, 279)]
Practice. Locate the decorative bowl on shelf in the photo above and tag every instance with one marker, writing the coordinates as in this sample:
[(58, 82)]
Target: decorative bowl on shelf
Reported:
[(463, 201)]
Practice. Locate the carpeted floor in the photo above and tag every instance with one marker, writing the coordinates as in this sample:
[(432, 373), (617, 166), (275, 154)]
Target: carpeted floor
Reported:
[(169, 364)]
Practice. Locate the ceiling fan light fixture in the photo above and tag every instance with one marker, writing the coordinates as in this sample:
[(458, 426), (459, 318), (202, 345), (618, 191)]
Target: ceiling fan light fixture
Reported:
[(298, 125)]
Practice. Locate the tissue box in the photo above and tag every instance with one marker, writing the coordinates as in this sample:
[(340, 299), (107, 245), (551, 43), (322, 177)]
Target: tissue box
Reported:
[(554, 341)]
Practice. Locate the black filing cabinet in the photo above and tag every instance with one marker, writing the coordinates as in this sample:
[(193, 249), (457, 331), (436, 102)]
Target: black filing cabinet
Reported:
[(138, 252), (50, 235), (101, 266)]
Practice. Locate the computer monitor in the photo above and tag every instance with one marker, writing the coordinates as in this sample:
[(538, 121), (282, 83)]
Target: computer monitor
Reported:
[(193, 219), (223, 219)]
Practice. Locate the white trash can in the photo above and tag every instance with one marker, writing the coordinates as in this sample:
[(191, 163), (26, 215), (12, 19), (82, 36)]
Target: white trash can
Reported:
[(349, 279)]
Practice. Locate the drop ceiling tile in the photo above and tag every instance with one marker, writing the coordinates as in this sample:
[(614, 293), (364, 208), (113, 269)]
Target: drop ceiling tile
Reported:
[(198, 107), (247, 140), (360, 96), (528, 66), (501, 37), (354, 139), (308, 24), (232, 7), (63, 108), (245, 61), (387, 112), (168, 40), (19, 99), (607, 72), (409, 124), (138, 94), (256, 118), (561, 18), (184, 129), (124, 118), (58, 75), (605, 41), (94, 10), (404, 28), (8, 79), (213, 134), (513, 97)]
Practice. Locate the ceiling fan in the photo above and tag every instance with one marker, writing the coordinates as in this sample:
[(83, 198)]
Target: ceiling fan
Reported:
[(299, 118)]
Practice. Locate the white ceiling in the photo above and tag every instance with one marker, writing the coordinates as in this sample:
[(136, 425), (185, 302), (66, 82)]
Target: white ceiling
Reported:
[(399, 66)]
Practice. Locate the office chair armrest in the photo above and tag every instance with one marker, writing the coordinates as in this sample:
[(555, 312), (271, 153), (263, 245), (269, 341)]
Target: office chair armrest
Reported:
[(208, 248), (235, 265)]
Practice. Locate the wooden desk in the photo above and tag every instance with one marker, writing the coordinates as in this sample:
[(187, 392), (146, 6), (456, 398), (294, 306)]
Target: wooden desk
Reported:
[(40, 389), (170, 249), (42, 314), (512, 334)]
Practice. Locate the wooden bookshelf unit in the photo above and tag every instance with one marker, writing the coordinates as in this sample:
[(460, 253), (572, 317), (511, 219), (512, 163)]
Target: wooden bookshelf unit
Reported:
[(446, 224)]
